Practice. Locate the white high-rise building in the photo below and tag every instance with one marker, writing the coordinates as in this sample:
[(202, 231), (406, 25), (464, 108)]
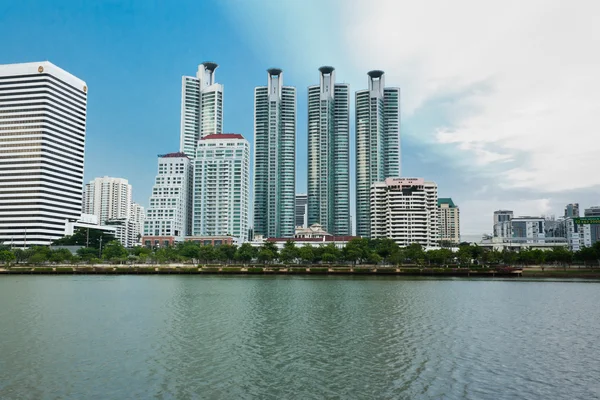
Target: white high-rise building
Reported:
[(42, 138), (169, 211), (377, 142), (405, 210), (222, 186), (274, 158), (107, 198), (201, 107), (137, 216)]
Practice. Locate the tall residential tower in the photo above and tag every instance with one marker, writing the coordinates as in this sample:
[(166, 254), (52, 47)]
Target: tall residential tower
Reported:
[(42, 125), (274, 157), (201, 107), (377, 143), (329, 154)]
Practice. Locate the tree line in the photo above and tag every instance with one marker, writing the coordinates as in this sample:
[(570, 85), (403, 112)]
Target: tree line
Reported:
[(356, 251)]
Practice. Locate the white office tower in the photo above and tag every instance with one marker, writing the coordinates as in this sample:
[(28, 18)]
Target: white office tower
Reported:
[(405, 210), (222, 186), (377, 142), (107, 198), (329, 154), (201, 107), (274, 158), (169, 212), (578, 235), (42, 136), (137, 216)]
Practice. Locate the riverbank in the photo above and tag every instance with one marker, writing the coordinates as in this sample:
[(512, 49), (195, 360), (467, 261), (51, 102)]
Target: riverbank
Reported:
[(591, 273)]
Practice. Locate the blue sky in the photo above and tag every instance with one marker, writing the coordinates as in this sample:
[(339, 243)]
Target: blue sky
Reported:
[(479, 115)]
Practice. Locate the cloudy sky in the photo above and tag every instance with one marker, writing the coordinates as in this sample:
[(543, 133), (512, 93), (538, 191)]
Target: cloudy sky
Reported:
[(499, 99)]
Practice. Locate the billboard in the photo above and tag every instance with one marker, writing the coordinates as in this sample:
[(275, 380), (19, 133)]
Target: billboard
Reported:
[(586, 220)]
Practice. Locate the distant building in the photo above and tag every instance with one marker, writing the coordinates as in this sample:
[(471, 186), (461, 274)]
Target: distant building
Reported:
[(405, 210), (201, 108), (274, 157), (329, 153), (572, 210), (212, 240), (313, 231), (578, 236), (222, 186), (449, 218), (377, 143), (521, 229), (88, 221), (124, 231), (43, 126), (594, 228), (169, 211), (107, 198), (301, 210), (137, 216)]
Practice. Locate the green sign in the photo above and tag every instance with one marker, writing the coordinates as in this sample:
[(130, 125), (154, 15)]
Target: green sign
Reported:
[(587, 220)]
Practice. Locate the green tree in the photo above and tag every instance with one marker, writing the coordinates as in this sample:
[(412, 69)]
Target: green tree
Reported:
[(272, 247), (331, 254), (114, 252), (38, 258), (414, 252), (59, 256), (356, 250), (7, 256), (245, 253), (386, 248), (87, 253), (206, 253), (265, 255), (226, 252), (85, 237), (189, 251), (306, 254), (289, 253)]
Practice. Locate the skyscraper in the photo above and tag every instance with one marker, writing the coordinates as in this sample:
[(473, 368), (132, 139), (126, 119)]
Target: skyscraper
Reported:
[(170, 209), (572, 210), (42, 120), (107, 198), (201, 107), (377, 142), (449, 219), (222, 186), (301, 210), (329, 154), (274, 157)]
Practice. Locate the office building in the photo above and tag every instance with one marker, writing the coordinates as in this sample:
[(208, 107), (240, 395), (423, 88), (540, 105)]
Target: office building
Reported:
[(301, 210), (524, 229), (222, 186), (137, 216), (201, 107), (42, 136), (168, 216), (405, 210), (329, 154), (578, 235), (274, 157), (594, 228), (449, 218), (377, 142), (107, 198)]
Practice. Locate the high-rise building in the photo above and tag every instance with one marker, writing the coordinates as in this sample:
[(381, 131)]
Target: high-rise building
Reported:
[(329, 154), (274, 157), (449, 218), (594, 228), (137, 216), (377, 142), (405, 210), (42, 120), (301, 210), (222, 186), (107, 198), (572, 210), (201, 107), (169, 211), (578, 235)]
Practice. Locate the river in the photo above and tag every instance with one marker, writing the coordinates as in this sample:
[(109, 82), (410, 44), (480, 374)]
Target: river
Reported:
[(297, 337)]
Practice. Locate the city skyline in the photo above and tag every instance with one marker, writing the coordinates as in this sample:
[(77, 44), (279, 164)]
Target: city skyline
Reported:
[(483, 126)]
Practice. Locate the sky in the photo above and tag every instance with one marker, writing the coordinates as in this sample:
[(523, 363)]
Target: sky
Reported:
[(500, 100)]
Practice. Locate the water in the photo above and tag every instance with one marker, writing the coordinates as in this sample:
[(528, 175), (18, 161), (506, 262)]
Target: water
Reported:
[(215, 337)]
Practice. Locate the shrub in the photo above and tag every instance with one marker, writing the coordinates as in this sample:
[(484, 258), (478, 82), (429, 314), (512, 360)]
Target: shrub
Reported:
[(43, 269), (64, 270), (232, 269), (319, 270), (255, 270), (210, 269), (362, 270)]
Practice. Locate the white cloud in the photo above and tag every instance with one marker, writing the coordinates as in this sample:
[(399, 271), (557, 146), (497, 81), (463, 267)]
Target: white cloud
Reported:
[(538, 58)]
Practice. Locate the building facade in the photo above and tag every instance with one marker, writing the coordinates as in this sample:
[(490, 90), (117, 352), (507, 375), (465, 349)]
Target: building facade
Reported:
[(329, 154), (170, 205), (377, 143), (578, 236), (572, 210), (301, 210), (222, 186), (201, 107), (274, 157), (405, 210), (137, 216), (107, 198), (594, 228), (42, 139), (449, 218)]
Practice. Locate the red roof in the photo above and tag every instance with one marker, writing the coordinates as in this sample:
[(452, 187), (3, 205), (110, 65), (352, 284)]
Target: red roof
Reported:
[(223, 136), (327, 239)]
